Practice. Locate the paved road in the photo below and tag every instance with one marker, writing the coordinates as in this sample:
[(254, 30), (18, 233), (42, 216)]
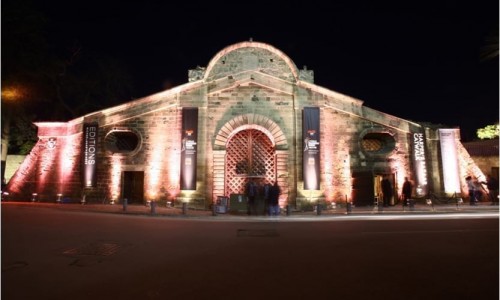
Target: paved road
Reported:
[(61, 254)]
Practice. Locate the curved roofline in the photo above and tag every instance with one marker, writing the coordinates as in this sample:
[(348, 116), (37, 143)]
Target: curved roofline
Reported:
[(251, 44)]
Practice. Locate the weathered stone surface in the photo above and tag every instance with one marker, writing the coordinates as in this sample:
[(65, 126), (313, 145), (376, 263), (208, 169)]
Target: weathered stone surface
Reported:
[(248, 85)]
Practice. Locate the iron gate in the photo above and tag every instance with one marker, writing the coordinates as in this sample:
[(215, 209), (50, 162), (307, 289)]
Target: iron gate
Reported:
[(249, 154)]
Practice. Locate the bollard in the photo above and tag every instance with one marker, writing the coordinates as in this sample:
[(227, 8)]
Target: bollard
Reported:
[(184, 208), (412, 204), (380, 206), (288, 209), (349, 207), (459, 202), (125, 202), (5, 194), (214, 210), (429, 202), (318, 209), (153, 207)]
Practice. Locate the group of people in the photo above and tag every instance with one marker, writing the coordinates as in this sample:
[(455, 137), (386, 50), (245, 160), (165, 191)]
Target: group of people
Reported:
[(271, 197), (476, 189), (271, 193), (387, 191)]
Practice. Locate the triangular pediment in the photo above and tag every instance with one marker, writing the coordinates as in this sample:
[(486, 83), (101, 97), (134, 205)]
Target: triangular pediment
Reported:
[(250, 79)]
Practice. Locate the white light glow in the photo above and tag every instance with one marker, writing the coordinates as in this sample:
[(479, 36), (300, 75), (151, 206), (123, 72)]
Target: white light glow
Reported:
[(115, 174), (66, 162), (420, 163), (449, 161)]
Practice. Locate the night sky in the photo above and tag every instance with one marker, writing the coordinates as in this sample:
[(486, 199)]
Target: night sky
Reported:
[(416, 60)]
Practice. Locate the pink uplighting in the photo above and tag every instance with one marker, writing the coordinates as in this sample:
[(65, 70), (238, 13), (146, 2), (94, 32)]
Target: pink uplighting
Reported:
[(116, 170), (66, 161), (157, 161)]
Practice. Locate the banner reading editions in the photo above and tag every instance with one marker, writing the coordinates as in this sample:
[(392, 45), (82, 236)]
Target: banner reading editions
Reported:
[(310, 160), (89, 153), (188, 148)]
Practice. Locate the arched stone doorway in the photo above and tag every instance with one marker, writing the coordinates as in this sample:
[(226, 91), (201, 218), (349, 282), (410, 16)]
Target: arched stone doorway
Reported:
[(250, 155), (268, 135)]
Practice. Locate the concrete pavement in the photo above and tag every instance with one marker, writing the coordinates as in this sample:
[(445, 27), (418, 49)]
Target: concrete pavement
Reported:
[(338, 212)]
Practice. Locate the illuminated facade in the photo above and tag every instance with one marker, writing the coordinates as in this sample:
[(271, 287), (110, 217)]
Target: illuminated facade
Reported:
[(251, 114)]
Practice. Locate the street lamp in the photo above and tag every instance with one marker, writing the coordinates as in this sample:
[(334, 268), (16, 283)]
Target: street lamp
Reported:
[(11, 93)]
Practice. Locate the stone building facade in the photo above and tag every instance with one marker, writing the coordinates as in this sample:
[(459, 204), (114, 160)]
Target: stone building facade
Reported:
[(485, 155), (250, 103)]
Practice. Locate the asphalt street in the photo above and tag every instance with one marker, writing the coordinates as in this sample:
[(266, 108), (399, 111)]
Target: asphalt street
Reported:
[(70, 252)]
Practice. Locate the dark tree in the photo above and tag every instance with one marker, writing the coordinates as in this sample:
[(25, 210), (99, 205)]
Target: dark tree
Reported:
[(45, 80)]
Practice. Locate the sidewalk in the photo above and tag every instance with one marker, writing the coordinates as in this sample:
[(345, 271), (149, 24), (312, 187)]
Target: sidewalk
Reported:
[(178, 212)]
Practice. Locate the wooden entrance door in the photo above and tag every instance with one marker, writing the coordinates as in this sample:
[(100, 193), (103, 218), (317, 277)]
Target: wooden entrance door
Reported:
[(133, 186)]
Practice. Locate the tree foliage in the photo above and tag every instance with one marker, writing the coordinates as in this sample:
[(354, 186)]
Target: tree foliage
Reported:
[(23, 135), (489, 50), (488, 132), (54, 80)]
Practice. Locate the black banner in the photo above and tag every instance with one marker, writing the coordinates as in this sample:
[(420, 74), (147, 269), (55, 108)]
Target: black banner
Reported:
[(310, 160), (89, 154), (188, 148), (419, 163)]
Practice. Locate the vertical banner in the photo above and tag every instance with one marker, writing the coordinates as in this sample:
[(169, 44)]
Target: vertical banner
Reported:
[(310, 160), (188, 148), (89, 153), (449, 160), (420, 163)]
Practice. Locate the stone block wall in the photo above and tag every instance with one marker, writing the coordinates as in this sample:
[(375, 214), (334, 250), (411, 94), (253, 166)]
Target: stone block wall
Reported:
[(246, 85), (158, 155)]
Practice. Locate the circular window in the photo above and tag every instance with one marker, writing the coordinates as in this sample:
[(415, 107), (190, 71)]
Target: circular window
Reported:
[(121, 141), (378, 143)]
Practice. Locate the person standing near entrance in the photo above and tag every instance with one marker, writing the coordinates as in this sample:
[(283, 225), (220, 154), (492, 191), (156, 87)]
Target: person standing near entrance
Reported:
[(492, 185), (267, 192), (386, 190), (251, 194), (471, 186), (274, 195), (407, 188)]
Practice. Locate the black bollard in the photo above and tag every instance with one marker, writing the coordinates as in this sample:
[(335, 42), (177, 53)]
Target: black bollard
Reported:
[(125, 202), (318, 209), (380, 206), (153, 207), (288, 209), (184, 208), (214, 209), (349, 207)]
